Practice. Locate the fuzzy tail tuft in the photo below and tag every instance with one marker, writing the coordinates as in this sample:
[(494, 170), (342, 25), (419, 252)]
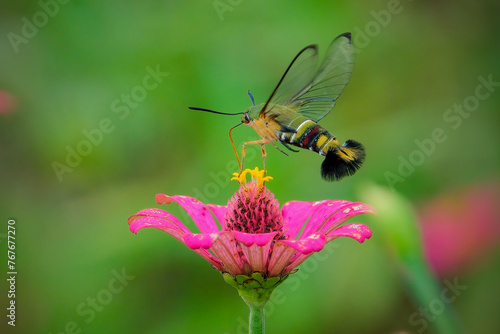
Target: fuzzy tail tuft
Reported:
[(343, 161)]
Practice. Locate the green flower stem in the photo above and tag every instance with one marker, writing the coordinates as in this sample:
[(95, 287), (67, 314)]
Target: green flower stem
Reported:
[(398, 225), (425, 290), (256, 322), (256, 299), (256, 291)]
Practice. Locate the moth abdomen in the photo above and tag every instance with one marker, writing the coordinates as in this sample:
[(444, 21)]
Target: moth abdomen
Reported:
[(342, 160)]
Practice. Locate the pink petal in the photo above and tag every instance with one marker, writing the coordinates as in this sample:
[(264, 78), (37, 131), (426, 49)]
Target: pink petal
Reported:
[(308, 246), (158, 219), (224, 248), (162, 215), (209, 257), (358, 232), (321, 212), (255, 247), (297, 261), (312, 243), (219, 211), (249, 239), (163, 199), (196, 210), (280, 258), (345, 213), (295, 214), (166, 224), (158, 223), (196, 241), (256, 256)]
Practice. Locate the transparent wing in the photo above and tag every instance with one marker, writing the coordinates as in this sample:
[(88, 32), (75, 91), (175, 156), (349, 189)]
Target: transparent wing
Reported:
[(318, 97), (296, 78)]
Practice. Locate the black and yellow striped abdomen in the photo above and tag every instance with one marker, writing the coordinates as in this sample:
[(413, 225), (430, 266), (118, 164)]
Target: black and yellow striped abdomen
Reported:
[(310, 135), (340, 160)]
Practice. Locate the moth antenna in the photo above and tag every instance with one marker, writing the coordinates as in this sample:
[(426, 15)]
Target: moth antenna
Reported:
[(213, 111), (251, 97)]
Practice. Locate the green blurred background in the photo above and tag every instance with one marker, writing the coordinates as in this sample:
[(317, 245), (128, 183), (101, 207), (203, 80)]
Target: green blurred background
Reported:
[(71, 73)]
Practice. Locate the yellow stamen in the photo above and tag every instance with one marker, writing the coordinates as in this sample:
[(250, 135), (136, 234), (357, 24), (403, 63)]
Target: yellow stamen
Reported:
[(257, 176)]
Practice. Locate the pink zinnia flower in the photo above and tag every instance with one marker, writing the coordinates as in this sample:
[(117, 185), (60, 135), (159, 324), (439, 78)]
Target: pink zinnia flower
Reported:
[(255, 235), (257, 245)]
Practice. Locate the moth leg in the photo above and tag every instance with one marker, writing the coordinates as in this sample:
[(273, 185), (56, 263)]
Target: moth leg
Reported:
[(254, 142), (264, 154), (288, 147), (279, 149)]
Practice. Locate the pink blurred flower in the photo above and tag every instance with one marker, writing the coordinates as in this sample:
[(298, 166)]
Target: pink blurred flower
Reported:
[(255, 235), (7, 103), (460, 228)]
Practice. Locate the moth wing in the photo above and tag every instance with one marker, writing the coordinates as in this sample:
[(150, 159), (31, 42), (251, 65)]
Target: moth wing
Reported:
[(319, 96), (294, 81)]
